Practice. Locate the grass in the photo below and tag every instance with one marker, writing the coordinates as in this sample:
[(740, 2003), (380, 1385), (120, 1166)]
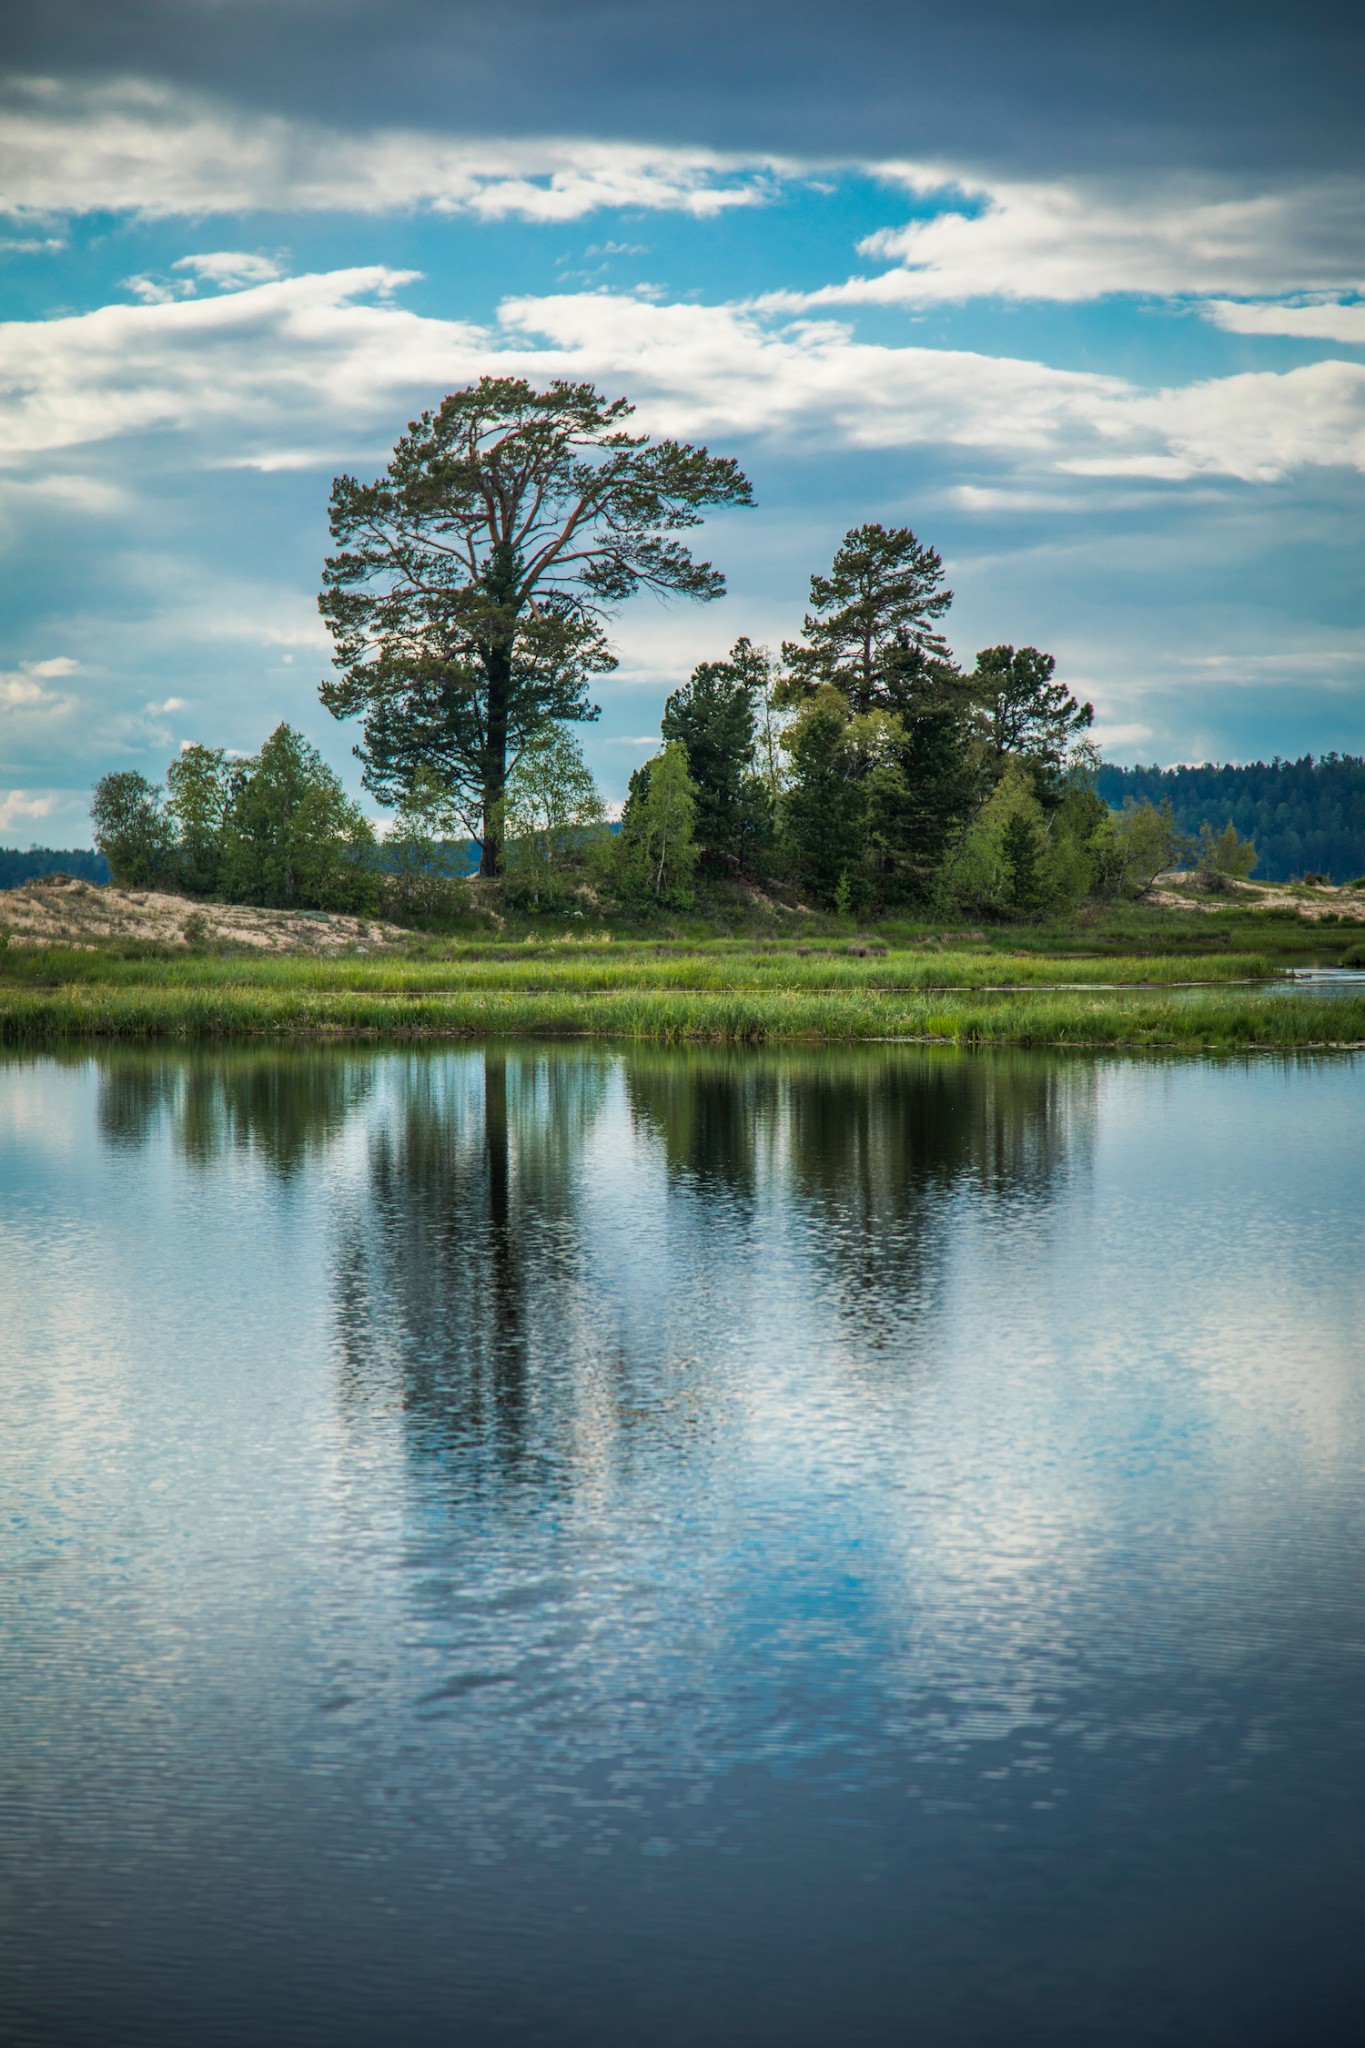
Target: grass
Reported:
[(1212, 1019), (597, 969), (1123, 976)]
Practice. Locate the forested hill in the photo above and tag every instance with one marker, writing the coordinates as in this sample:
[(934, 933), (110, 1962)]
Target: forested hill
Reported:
[(17, 867), (1305, 816)]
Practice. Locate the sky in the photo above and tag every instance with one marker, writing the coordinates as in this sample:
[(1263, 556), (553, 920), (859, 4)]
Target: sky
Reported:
[(1079, 299)]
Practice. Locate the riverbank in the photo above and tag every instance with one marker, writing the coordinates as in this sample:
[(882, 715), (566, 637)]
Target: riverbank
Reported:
[(1202, 978), (753, 1010)]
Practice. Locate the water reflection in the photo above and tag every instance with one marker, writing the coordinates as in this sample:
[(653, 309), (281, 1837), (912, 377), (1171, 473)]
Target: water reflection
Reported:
[(461, 1240), (285, 1106), (536, 1231), (563, 1544)]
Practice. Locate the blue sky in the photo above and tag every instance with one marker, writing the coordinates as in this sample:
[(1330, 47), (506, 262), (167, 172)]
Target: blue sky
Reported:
[(1099, 339)]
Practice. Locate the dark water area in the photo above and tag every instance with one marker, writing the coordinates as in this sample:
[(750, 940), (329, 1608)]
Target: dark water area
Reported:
[(572, 1545)]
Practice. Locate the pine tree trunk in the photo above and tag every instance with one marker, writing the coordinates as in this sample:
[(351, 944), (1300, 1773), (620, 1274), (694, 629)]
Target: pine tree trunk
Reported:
[(495, 759)]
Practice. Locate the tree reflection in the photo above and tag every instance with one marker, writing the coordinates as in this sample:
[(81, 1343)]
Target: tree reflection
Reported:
[(455, 1272), (500, 1290), (284, 1105), (866, 1143)]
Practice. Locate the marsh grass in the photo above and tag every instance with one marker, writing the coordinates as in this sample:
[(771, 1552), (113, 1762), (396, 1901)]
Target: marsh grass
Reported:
[(1214, 1019), (598, 970)]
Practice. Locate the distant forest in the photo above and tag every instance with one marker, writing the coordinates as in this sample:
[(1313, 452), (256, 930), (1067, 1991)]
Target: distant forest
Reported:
[(1306, 816), (16, 868)]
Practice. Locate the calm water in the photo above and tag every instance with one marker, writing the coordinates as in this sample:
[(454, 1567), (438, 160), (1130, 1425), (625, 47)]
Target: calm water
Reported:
[(584, 1547)]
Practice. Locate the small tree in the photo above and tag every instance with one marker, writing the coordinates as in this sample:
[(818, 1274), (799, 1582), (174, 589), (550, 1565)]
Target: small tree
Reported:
[(1131, 847), (823, 808), (656, 851), (1223, 857), (552, 805), (293, 839), (132, 831), (199, 792)]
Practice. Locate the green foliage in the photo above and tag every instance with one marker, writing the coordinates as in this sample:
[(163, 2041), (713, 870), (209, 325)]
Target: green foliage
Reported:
[(553, 808), (656, 852), (1129, 849), (875, 611), (1021, 854), (1027, 712), (1017, 858), (822, 813), (292, 839), (132, 831), (29, 864), (470, 580), (714, 717), (1224, 856), (917, 800), (198, 795), (1304, 815)]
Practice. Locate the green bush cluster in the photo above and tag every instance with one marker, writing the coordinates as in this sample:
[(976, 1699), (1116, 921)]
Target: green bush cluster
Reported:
[(277, 829)]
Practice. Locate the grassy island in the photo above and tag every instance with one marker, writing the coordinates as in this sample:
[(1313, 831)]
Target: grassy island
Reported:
[(1183, 976)]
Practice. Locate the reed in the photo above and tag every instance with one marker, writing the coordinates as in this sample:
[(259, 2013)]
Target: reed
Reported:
[(1213, 1019), (603, 970)]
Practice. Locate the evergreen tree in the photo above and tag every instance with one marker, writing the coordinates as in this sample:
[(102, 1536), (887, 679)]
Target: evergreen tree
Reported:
[(713, 718), (466, 597), (1027, 712), (1304, 814), (1020, 846), (824, 807), (875, 611), (917, 799)]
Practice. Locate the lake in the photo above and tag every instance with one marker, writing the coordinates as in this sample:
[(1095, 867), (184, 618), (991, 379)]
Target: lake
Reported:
[(582, 1545)]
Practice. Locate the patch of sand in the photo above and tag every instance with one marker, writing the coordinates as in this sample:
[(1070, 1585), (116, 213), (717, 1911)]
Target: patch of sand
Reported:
[(1181, 890), (58, 910)]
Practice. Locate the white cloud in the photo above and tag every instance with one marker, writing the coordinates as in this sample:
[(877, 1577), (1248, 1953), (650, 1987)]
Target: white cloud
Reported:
[(25, 806), (25, 689), (1319, 320), (1083, 241), (311, 369), (135, 147), (230, 269)]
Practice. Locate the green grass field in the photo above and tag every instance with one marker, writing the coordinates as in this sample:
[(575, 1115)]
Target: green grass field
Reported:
[(722, 993)]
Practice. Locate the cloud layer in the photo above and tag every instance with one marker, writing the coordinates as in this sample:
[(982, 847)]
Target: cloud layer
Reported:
[(133, 147), (1086, 239), (299, 370)]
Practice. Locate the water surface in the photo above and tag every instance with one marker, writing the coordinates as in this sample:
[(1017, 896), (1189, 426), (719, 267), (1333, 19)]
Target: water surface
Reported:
[(555, 1544)]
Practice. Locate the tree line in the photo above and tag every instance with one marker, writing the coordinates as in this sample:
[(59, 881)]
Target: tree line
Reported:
[(1306, 816), (467, 600)]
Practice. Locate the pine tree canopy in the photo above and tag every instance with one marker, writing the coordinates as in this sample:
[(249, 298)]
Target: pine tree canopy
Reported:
[(872, 619), (467, 593)]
